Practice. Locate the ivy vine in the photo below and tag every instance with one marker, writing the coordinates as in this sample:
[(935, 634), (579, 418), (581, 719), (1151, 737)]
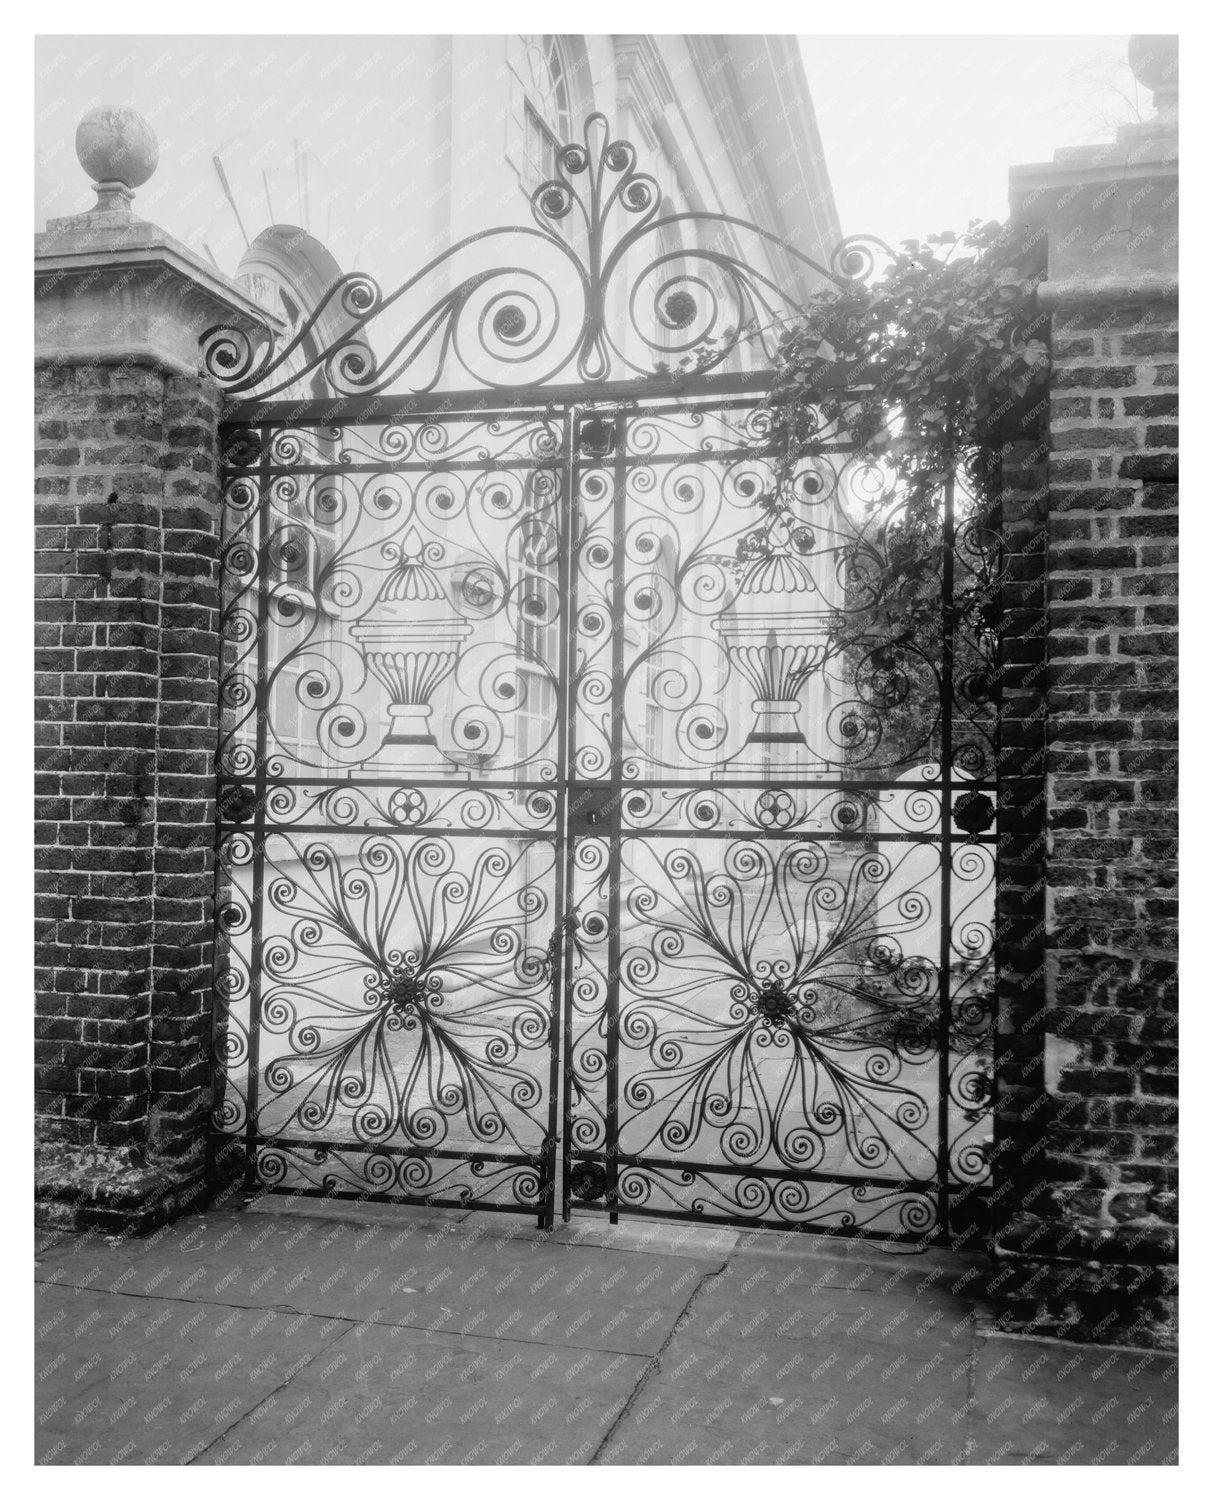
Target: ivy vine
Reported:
[(927, 373)]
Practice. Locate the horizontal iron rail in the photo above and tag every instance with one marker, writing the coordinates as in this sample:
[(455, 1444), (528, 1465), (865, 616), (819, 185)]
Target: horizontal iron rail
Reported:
[(336, 1144), (407, 830), (760, 783), (937, 1233), (548, 835), (493, 465), (426, 1200), (527, 400), (768, 1174)]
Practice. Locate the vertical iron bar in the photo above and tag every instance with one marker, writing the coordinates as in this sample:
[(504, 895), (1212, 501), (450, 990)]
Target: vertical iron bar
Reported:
[(996, 981), (568, 706), (218, 1069), (947, 663), (615, 857), (218, 1072), (561, 967), (259, 808)]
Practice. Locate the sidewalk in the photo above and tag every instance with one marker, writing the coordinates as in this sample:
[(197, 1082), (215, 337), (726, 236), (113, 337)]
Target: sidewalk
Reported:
[(312, 1333)]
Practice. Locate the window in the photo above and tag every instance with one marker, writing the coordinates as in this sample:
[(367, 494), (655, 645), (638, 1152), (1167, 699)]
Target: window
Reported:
[(546, 116), (546, 105), (541, 147), (537, 640), (657, 742)]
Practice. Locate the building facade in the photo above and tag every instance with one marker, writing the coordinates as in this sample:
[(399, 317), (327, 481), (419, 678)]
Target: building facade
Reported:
[(450, 135)]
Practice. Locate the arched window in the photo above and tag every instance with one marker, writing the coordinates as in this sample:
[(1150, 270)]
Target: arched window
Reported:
[(549, 95), (547, 120), (288, 271)]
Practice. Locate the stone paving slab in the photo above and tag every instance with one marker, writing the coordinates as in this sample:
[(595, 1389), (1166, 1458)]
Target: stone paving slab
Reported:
[(768, 1401), (465, 1280), (401, 1396), (141, 1380), (46, 1239), (275, 1335), (966, 1398), (662, 1237), (1071, 1403), (355, 1211), (893, 1304), (657, 1236)]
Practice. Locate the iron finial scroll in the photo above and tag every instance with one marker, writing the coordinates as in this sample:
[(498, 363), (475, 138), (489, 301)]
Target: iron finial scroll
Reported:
[(603, 285)]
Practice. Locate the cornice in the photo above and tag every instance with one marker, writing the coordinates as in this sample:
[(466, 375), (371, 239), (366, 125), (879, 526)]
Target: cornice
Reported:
[(1144, 286), (768, 112), (641, 70), (1110, 217), (126, 293), (73, 249), (714, 66), (1120, 167)]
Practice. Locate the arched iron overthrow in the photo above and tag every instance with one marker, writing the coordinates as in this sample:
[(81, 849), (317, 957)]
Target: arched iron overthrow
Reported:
[(604, 286)]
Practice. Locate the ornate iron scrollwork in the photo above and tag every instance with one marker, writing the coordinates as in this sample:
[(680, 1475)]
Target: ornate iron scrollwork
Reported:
[(562, 765), (595, 290)]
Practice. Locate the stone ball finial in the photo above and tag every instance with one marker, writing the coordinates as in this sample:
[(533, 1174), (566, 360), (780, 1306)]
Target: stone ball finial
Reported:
[(119, 151), (1155, 64)]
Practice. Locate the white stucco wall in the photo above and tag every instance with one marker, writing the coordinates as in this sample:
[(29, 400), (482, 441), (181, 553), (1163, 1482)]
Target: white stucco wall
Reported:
[(388, 149)]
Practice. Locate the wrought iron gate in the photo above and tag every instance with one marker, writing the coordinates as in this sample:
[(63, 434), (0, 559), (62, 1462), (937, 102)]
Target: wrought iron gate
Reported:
[(565, 858)]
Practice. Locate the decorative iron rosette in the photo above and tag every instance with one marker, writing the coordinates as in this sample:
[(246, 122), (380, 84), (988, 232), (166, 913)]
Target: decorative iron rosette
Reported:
[(588, 1182)]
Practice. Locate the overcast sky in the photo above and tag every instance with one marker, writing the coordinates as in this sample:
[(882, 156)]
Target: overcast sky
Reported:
[(919, 131)]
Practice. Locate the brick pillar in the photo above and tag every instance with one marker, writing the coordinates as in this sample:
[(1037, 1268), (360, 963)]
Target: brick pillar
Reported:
[(1086, 1243), (126, 515)]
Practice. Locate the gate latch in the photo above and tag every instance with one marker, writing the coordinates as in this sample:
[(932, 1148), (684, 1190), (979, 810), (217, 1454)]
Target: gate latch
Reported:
[(597, 434), (562, 932)]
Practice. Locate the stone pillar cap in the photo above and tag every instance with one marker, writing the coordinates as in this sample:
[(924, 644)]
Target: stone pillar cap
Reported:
[(111, 289)]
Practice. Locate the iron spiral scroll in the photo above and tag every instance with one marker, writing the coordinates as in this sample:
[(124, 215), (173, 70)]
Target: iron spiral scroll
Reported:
[(565, 297)]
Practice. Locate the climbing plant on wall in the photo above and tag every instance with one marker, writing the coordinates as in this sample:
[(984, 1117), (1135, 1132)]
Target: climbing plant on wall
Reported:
[(927, 373)]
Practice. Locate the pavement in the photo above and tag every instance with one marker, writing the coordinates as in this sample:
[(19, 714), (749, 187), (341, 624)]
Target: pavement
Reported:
[(312, 1332)]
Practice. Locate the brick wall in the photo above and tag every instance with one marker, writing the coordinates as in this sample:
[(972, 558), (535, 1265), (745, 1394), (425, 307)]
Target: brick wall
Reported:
[(1089, 1114), (126, 521)]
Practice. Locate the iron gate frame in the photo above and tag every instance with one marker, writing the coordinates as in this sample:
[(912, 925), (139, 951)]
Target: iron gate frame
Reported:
[(558, 1162), (565, 1175)]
